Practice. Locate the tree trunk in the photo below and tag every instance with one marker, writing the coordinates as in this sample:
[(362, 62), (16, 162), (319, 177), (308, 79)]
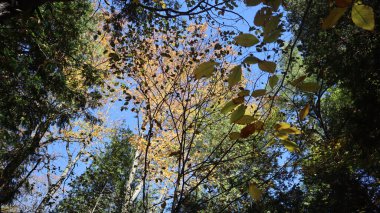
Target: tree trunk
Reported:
[(129, 196)]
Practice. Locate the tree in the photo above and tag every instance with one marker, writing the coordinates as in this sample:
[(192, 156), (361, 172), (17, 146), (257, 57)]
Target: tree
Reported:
[(102, 187), (50, 74)]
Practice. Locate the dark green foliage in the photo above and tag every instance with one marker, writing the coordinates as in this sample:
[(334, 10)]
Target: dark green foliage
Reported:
[(39, 56), (103, 183)]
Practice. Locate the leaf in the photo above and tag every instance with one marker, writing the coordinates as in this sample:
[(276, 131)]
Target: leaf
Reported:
[(247, 131), (335, 14), (262, 16), (243, 93), (246, 119), (235, 76), (228, 107), (205, 69), (298, 80), (246, 40), (267, 66), (272, 142), (343, 3), (254, 191), (251, 60), (363, 16), (281, 126), (275, 4), (282, 135), (273, 81), (237, 114), (238, 100), (272, 36), (259, 125), (291, 130), (250, 3), (234, 135), (290, 146), (258, 93), (309, 87), (304, 112)]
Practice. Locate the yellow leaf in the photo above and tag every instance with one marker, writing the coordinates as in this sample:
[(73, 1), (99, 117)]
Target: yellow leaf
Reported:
[(304, 112), (258, 93), (363, 16), (333, 17), (281, 126), (235, 76), (282, 135), (267, 66), (246, 40), (205, 69), (291, 130), (290, 146), (254, 191)]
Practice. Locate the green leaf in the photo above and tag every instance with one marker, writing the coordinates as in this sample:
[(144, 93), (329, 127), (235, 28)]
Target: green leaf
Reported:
[(235, 76), (298, 80), (251, 60), (273, 81), (290, 146), (243, 93), (238, 113), (254, 191), (304, 112), (363, 16), (205, 69), (246, 40), (333, 17), (252, 2), (234, 135), (246, 119), (228, 107), (267, 66), (309, 87), (258, 93), (272, 36), (262, 16)]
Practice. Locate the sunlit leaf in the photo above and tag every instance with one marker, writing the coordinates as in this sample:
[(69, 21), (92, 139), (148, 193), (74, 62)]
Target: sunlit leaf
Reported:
[(238, 113), (281, 126), (271, 143), (205, 69), (273, 81), (234, 135), (251, 60), (290, 146), (304, 112), (309, 87), (267, 66), (228, 107), (246, 40), (363, 16), (333, 17), (258, 93), (235, 76), (282, 135), (254, 191), (291, 130)]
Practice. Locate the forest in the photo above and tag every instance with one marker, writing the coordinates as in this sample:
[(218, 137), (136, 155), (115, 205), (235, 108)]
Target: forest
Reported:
[(189, 106)]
